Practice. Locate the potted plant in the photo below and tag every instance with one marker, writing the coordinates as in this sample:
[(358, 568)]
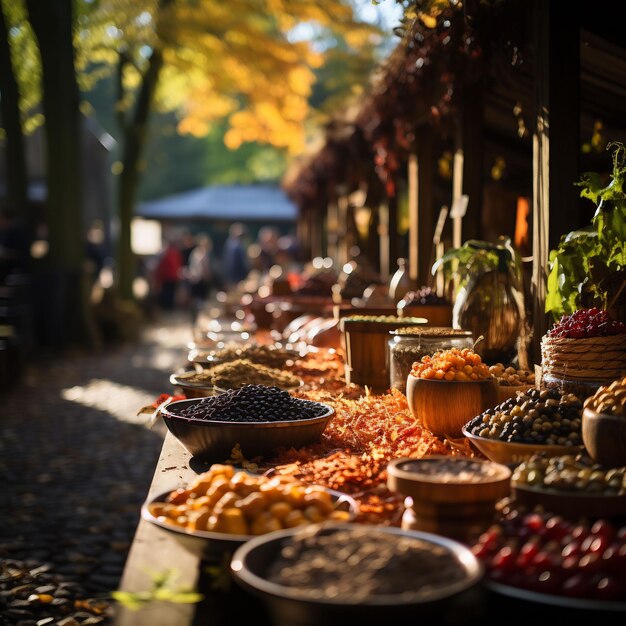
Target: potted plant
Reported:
[(588, 268), (489, 299)]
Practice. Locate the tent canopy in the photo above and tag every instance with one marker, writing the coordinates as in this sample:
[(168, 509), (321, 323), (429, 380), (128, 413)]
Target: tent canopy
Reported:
[(236, 203)]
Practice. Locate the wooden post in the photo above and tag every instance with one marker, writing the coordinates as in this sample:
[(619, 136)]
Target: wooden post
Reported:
[(425, 201), (457, 190), (392, 228), (472, 132), (383, 236), (556, 142), (412, 176)]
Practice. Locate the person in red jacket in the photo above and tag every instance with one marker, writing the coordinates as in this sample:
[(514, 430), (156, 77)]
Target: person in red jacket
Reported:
[(168, 274)]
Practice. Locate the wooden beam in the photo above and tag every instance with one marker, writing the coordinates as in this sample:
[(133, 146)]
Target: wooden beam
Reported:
[(472, 137), (383, 237), (392, 225), (556, 142), (425, 201), (412, 180)]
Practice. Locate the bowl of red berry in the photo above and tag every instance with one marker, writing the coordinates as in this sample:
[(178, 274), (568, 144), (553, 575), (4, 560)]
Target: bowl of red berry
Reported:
[(541, 557)]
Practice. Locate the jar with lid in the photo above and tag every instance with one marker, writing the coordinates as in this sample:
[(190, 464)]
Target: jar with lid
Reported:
[(408, 345)]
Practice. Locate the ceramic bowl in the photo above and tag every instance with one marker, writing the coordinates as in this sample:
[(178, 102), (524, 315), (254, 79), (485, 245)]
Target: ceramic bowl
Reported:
[(510, 453), (213, 440), (604, 437)]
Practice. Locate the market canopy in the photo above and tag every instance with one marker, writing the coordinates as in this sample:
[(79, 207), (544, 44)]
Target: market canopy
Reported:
[(236, 202)]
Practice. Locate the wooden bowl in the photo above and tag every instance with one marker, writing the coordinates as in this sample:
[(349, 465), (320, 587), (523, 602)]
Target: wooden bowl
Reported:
[(445, 406), (510, 391), (214, 440), (571, 504), (407, 477), (512, 453), (604, 437)]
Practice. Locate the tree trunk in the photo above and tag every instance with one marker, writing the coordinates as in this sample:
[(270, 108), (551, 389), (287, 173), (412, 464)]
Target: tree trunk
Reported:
[(52, 23), (16, 175), (135, 134)]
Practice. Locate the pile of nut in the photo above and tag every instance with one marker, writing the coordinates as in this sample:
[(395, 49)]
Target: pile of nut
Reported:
[(537, 417), (570, 473), (222, 500), (609, 400), (510, 377)]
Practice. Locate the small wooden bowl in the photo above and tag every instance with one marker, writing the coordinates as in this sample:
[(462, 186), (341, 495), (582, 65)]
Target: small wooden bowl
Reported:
[(570, 504), (510, 391), (445, 406), (406, 477), (604, 437)]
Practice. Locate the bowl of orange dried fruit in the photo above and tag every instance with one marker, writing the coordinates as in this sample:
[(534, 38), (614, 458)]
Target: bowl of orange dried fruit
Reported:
[(224, 507), (448, 388)]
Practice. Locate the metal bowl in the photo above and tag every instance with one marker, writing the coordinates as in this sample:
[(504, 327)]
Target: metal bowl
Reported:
[(202, 390), (512, 453), (195, 390), (210, 542), (214, 441), (290, 605)]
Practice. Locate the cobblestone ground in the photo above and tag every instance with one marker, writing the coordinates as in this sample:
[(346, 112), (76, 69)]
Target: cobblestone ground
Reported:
[(75, 466)]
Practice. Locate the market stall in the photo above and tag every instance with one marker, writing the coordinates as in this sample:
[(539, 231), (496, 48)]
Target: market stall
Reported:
[(487, 458)]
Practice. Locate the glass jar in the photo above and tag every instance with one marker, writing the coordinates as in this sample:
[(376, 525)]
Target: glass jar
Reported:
[(408, 345)]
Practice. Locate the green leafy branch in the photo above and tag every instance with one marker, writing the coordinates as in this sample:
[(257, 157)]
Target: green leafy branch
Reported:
[(474, 258), (588, 268), (164, 589)]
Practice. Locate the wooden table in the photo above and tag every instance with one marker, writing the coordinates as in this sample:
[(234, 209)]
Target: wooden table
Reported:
[(156, 550)]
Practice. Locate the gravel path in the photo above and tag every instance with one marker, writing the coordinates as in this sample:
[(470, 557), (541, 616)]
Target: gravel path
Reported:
[(75, 466)]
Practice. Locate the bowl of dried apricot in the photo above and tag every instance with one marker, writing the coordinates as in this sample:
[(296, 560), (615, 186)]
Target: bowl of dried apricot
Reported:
[(447, 389), (224, 507)]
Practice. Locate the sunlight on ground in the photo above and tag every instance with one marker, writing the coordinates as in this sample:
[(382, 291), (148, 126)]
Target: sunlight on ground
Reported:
[(164, 361), (120, 401)]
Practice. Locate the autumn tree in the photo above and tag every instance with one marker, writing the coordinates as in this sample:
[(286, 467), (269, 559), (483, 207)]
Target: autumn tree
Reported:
[(207, 61), (16, 175), (53, 26)]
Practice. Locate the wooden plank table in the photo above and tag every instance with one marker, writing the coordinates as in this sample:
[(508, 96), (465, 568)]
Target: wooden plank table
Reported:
[(156, 550)]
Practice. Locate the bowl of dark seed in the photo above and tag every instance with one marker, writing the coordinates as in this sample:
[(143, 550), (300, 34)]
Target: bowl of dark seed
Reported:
[(535, 421), (258, 418), (333, 573)]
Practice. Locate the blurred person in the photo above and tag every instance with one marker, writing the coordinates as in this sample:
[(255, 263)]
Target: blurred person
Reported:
[(187, 244), (167, 275), (268, 242), (234, 259), (201, 274)]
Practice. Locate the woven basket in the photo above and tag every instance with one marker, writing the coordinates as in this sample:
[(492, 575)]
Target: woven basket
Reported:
[(593, 358)]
